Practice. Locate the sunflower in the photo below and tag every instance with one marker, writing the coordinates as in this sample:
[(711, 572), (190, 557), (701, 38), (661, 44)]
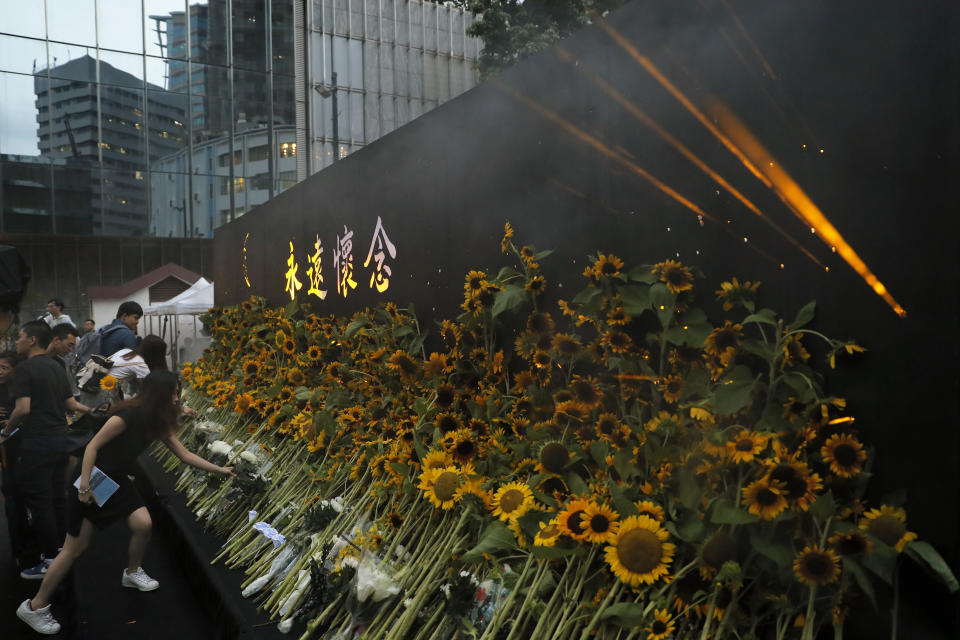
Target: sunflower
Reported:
[(251, 368), (605, 265), (448, 422), (446, 396), (472, 306), (553, 457), (440, 486), (404, 364), (280, 339), (745, 445), (314, 353), (474, 487), (296, 377), (566, 345), (889, 525), (569, 520), (505, 241), (450, 334), (599, 523), (462, 445), (437, 365), (662, 625), (723, 342), (649, 509), (108, 383), (286, 395), (511, 501), (851, 543), (734, 292), (289, 346), (616, 340), (640, 553), (475, 282), (548, 534), (540, 323), (676, 276), (395, 519), (436, 460), (522, 380), (571, 411), (800, 486), (794, 351), (244, 402), (536, 285), (541, 359), (672, 388), (617, 317), (765, 498), (844, 454), (720, 548), (816, 566)]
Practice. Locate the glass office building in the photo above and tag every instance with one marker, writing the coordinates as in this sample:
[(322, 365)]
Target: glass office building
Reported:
[(170, 118)]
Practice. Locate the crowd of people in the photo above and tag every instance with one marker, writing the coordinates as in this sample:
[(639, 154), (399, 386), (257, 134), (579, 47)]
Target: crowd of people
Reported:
[(48, 460)]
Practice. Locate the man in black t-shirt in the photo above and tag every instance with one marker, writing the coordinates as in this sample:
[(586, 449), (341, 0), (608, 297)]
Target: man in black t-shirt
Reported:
[(42, 396)]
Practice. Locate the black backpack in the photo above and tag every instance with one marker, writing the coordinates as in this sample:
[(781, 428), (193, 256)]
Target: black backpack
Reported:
[(89, 345)]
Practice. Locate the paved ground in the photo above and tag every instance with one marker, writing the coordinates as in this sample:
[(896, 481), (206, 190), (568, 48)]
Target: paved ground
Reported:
[(105, 610)]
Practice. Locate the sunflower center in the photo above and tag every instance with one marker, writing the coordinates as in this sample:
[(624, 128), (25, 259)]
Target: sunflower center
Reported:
[(639, 550), (608, 268), (446, 485), (600, 523), (554, 456), (766, 497), (719, 549), (845, 455), (658, 627), (510, 500), (888, 529), (573, 522), (726, 340), (745, 445), (465, 448), (796, 486), (818, 566)]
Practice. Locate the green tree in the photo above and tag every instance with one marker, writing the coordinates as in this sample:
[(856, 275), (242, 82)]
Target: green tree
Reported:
[(511, 30)]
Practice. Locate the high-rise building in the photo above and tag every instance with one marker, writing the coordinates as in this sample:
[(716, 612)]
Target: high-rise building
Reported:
[(31, 187), (115, 122)]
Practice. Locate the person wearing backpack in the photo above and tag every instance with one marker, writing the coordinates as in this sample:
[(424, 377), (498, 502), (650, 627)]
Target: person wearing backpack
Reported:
[(122, 332)]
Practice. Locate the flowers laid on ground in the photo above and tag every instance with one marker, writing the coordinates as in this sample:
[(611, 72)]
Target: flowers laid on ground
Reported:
[(614, 464)]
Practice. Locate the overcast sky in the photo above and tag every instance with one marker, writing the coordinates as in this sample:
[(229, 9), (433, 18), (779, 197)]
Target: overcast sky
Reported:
[(74, 24)]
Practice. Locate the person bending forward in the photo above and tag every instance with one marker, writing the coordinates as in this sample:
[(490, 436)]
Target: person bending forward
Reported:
[(152, 415)]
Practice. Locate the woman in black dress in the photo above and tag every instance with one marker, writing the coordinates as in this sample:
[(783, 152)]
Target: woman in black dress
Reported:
[(152, 415)]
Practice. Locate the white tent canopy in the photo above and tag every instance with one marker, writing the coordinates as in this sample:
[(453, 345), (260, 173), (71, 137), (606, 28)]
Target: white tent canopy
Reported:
[(196, 299)]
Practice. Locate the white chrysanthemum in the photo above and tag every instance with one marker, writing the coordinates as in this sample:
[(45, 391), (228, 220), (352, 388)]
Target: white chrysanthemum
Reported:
[(249, 456), (374, 583), (219, 446)]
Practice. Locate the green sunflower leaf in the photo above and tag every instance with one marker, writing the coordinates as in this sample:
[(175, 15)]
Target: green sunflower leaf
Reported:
[(540, 255), (496, 537), (354, 326), (863, 580), (765, 316), (507, 273), (642, 273), (726, 513), (635, 299), (768, 546), (627, 614), (758, 347), (804, 316), (401, 468), (576, 484), (291, 309), (663, 301), (927, 557), (622, 503), (588, 295), (598, 451), (734, 391), (882, 560), (622, 462), (825, 507), (510, 297)]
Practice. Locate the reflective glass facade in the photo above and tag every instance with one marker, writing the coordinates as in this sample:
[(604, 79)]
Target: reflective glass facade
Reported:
[(171, 117)]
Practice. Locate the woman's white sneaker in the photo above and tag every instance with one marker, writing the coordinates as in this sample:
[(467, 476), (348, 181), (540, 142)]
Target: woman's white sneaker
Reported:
[(40, 620), (138, 580)]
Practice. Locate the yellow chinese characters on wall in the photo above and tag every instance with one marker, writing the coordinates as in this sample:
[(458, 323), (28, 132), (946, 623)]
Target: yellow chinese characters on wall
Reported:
[(376, 263)]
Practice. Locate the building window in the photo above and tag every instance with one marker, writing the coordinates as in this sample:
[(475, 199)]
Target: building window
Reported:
[(258, 153), (288, 149)]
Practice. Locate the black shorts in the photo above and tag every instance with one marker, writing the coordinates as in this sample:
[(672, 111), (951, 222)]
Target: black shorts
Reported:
[(121, 504)]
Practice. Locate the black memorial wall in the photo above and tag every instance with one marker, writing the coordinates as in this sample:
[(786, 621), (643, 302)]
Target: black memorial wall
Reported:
[(857, 103)]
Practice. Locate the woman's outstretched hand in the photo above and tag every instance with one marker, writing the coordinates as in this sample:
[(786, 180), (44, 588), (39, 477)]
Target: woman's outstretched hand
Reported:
[(228, 471)]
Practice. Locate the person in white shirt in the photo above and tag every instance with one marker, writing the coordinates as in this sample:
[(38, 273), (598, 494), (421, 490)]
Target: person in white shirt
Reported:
[(55, 314), (130, 366)]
